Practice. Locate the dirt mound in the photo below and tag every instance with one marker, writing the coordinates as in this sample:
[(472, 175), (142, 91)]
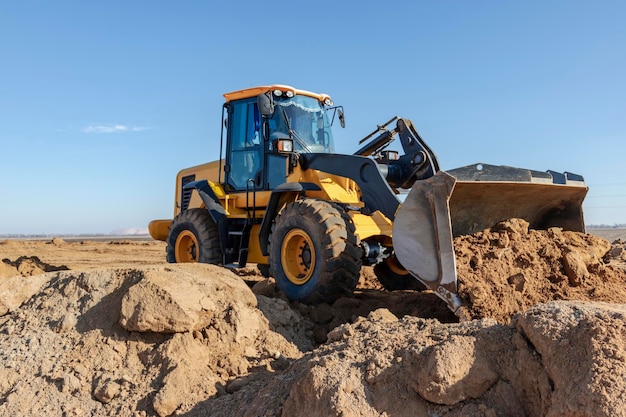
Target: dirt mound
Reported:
[(200, 340), (64, 352), (20, 279), (617, 255), (27, 266), (551, 360), (510, 268), (193, 340)]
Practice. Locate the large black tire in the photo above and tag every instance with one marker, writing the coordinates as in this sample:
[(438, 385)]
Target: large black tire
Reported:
[(313, 252), (394, 277), (264, 269), (193, 237)]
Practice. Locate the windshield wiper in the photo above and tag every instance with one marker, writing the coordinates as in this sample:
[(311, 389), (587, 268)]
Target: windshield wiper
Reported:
[(293, 133)]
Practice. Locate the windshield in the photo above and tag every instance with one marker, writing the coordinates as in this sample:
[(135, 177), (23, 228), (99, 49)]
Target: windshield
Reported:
[(304, 120)]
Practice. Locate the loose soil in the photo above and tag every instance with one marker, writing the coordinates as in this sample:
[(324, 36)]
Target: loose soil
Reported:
[(109, 328)]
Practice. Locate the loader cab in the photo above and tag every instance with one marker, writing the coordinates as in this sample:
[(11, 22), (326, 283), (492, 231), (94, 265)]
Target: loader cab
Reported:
[(254, 128)]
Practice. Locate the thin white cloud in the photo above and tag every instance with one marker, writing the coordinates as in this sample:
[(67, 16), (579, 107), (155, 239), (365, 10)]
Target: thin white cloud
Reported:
[(113, 128), (130, 231)]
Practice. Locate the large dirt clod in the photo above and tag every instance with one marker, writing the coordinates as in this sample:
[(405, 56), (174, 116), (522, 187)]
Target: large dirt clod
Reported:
[(161, 304), (454, 371)]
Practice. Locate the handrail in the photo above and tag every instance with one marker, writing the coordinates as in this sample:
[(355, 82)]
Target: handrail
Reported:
[(251, 180)]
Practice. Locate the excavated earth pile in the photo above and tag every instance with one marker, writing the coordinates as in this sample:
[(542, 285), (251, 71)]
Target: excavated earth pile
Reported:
[(556, 359), (509, 268), (543, 334), (134, 342)]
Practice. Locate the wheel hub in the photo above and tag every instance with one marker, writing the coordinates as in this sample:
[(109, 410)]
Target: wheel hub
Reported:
[(186, 247), (298, 256)]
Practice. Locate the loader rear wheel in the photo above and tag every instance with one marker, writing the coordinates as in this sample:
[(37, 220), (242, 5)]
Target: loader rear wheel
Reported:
[(193, 237), (313, 251), (393, 276), (264, 269)]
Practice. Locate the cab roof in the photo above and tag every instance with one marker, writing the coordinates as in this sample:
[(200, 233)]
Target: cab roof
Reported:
[(255, 91)]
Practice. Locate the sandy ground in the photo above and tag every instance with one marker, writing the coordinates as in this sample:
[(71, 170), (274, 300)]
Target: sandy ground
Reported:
[(109, 328), (86, 254), (611, 235)]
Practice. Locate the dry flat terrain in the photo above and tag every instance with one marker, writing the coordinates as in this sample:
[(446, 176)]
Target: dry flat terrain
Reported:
[(109, 328), (610, 234)]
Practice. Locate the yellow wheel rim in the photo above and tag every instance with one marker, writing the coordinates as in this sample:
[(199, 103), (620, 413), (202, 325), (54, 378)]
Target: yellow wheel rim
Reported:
[(394, 265), (298, 256), (186, 247)]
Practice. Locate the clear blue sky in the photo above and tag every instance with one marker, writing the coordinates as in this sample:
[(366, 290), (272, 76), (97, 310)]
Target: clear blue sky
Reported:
[(101, 103)]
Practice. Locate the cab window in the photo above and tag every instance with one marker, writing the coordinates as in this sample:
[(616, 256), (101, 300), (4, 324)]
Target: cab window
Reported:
[(246, 153)]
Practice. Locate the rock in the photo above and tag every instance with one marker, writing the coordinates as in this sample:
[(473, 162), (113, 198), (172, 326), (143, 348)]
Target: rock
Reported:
[(16, 290), (266, 287), (236, 384), (67, 322), (166, 304), (71, 384), (186, 362), (575, 268), (339, 333), (165, 404), (517, 281), (382, 314), (588, 372), (107, 390), (454, 371), (514, 226), (616, 252)]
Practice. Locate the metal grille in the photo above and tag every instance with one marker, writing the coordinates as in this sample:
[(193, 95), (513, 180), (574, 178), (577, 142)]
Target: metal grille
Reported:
[(186, 194)]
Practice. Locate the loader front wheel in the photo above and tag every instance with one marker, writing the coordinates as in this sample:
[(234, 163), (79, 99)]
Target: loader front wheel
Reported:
[(313, 252), (193, 237), (393, 277)]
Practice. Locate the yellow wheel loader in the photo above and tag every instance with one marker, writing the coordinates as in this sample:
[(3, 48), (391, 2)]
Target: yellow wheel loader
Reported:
[(280, 196)]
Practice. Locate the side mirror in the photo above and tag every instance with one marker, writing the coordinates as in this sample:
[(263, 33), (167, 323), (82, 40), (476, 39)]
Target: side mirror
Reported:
[(265, 103), (337, 111)]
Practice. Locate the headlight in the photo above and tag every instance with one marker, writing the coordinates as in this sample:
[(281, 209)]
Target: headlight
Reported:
[(289, 93), (328, 102), (284, 145), (278, 93)]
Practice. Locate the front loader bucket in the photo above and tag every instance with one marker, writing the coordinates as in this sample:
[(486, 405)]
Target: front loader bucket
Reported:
[(485, 195), (473, 198), (422, 236)]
